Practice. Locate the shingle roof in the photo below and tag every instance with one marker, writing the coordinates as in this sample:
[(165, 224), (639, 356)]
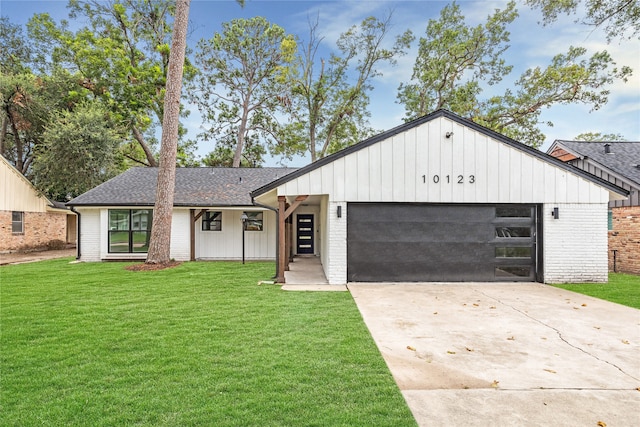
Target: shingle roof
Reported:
[(194, 187), (623, 159)]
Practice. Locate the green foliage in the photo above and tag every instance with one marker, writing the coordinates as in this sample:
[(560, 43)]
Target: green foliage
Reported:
[(242, 81), (79, 152), (598, 136), (196, 345), (122, 55), (222, 155), (618, 18), (328, 110), (455, 59)]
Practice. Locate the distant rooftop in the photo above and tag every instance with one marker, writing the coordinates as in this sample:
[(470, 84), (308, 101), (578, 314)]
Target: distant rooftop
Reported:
[(623, 158)]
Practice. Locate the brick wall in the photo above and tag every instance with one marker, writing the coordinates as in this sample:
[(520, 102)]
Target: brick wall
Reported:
[(337, 262), (625, 239), (575, 245), (39, 229)]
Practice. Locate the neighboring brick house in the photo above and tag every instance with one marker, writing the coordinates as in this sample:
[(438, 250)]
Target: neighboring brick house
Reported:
[(618, 163), (28, 220)]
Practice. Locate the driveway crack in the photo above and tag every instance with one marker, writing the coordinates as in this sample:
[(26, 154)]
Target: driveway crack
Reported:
[(557, 331)]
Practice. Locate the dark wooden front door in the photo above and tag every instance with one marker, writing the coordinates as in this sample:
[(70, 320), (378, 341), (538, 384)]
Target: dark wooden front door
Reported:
[(304, 233)]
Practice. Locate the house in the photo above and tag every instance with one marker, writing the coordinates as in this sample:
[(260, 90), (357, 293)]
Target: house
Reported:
[(28, 220), (207, 223), (439, 198), (442, 198), (618, 163)]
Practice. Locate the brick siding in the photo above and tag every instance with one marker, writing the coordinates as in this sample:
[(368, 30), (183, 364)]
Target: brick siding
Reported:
[(575, 245), (40, 228), (625, 239)]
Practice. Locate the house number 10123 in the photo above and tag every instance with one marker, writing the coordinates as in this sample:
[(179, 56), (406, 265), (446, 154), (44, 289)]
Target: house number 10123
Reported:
[(448, 179)]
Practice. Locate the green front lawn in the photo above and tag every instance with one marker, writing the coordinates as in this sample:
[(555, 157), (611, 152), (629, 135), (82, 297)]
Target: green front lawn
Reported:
[(622, 288), (199, 344)]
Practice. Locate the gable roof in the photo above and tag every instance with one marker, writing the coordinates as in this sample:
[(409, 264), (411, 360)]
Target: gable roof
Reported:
[(194, 187), (624, 158), (424, 119)]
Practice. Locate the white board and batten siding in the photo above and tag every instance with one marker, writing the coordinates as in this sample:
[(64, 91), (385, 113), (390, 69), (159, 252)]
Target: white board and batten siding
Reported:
[(226, 244), (422, 165)]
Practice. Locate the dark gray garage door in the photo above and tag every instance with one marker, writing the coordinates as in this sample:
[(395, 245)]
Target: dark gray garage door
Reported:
[(422, 242)]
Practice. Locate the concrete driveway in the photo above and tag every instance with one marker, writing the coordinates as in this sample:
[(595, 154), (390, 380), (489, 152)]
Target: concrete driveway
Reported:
[(506, 354)]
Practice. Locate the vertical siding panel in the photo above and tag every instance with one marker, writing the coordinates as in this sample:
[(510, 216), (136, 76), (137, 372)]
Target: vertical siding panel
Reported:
[(435, 167), (386, 187), (338, 179), (526, 180), (492, 171), (447, 161), (549, 183), (504, 181), (515, 181), (537, 180), (561, 185), (315, 182), (351, 177), (466, 166), (410, 174), (422, 162), (375, 172), (327, 178), (398, 143), (363, 174), (479, 169)]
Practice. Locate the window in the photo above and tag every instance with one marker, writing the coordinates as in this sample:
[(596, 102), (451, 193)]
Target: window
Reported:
[(129, 230), (254, 221), (212, 221), (17, 222), (610, 220)]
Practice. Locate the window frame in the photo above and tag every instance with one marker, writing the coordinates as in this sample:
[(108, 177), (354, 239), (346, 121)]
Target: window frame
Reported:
[(209, 218), (19, 222), (135, 227), (252, 218)]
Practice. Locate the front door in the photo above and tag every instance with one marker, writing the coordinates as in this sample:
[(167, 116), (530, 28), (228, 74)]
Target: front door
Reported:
[(304, 233)]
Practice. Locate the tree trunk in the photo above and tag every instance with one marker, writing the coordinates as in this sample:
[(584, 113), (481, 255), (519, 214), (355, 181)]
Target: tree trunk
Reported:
[(160, 244), (3, 134), (147, 151)]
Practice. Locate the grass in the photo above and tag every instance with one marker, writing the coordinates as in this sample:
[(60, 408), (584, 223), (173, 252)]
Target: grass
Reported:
[(622, 289), (199, 344)]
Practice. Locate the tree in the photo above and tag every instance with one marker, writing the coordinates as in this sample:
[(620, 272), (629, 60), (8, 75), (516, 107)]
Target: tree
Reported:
[(599, 137), (79, 152), (160, 243), (122, 55), (455, 59), (328, 101), (222, 155), (241, 82), (618, 18)]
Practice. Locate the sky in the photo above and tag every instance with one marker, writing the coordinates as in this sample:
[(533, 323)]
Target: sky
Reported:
[(531, 45)]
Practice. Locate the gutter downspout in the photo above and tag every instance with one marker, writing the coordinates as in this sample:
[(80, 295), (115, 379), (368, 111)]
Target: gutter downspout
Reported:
[(77, 232), (275, 276)]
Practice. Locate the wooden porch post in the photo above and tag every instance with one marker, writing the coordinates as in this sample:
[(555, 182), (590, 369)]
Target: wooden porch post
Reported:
[(282, 246)]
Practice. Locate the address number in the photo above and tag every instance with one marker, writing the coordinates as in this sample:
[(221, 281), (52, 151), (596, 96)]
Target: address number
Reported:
[(448, 179)]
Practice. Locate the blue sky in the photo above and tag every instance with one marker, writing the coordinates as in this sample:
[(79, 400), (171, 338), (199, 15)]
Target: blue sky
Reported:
[(531, 45)]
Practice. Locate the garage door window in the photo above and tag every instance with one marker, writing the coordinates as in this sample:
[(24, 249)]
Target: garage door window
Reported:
[(514, 252)]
